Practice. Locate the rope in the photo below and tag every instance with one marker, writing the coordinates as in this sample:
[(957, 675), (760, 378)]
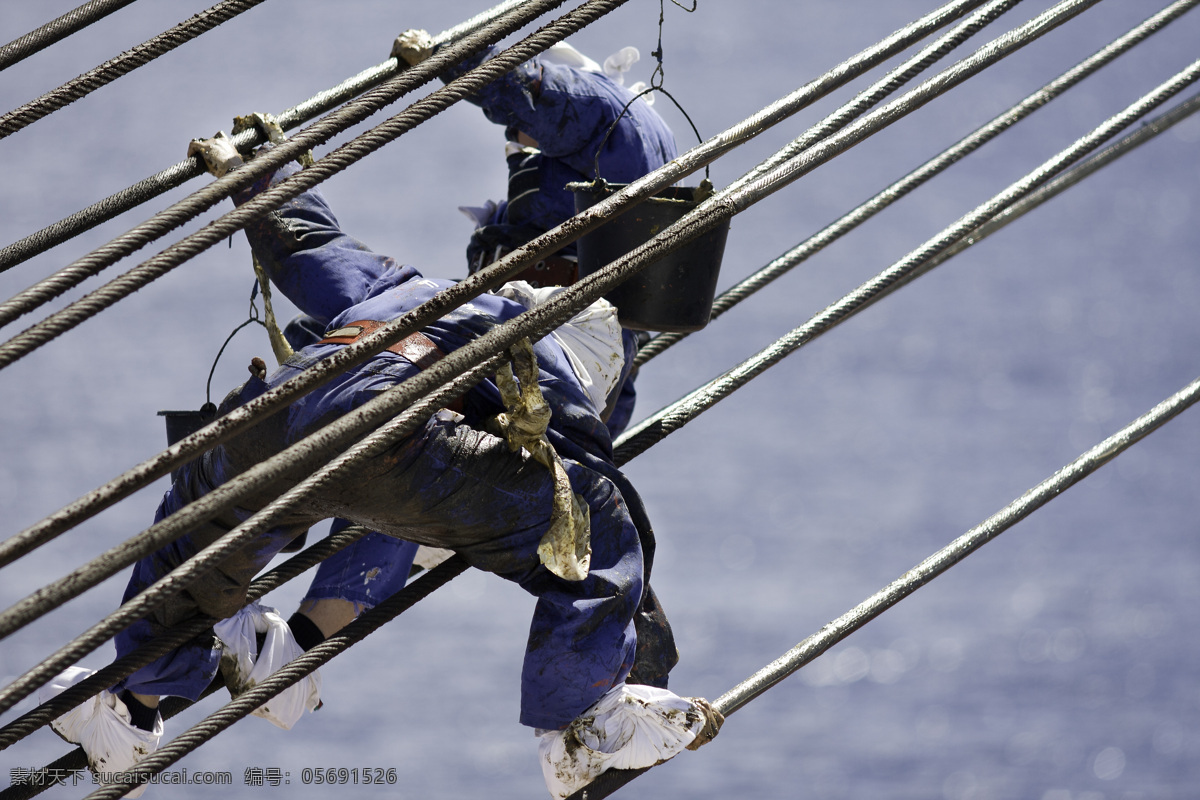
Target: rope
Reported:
[(834, 632), (58, 29), (123, 64), (915, 264), (240, 419), (982, 135), (124, 666), (180, 173), (337, 122)]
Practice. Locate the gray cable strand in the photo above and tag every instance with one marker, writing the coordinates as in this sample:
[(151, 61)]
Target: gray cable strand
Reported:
[(240, 419), (181, 212), (993, 52), (123, 64), (982, 135), (839, 629), (172, 177), (956, 551), (295, 566), (39, 39), (913, 265)]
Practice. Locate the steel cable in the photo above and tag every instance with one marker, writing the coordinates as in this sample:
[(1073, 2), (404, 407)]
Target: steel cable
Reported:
[(123, 64), (918, 177), (240, 419), (202, 200), (913, 265), (834, 632), (172, 177), (124, 666), (57, 29)]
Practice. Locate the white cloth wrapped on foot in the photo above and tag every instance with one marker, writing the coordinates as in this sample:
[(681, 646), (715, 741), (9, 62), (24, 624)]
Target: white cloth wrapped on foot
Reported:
[(244, 666), (629, 727), (101, 725)]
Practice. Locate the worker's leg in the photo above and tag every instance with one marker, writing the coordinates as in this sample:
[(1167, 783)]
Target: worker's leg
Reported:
[(357, 577), (453, 486)]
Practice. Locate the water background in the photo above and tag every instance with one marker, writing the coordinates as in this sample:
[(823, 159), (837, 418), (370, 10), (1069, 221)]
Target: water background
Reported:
[(1058, 663)]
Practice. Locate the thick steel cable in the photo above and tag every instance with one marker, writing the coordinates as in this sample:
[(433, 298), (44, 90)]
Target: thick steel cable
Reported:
[(183, 211), (770, 179), (241, 418), (912, 266), (161, 182), (881, 89), (123, 64), (124, 666), (839, 629), (57, 29), (918, 177), (1148, 130)]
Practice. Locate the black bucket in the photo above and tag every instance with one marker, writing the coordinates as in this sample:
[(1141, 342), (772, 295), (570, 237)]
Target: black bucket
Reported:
[(181, 424), (674, 293)]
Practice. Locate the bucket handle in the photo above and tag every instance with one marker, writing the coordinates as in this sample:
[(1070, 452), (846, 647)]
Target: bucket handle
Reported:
[(613, 127)]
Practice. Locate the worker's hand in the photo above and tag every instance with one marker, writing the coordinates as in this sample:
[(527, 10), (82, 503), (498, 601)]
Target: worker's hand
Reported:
[(413, 46), (220, 156)]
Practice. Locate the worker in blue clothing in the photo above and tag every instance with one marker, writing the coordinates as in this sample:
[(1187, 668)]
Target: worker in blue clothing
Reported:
[(559, 111), (450, 484)]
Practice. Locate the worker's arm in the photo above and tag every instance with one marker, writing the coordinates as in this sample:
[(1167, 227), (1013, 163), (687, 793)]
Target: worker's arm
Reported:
[(569, 111), (301, 245)]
